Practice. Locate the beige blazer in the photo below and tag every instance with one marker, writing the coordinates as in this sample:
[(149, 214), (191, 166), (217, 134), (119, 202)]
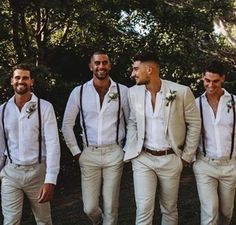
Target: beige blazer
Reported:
[(181, 120)]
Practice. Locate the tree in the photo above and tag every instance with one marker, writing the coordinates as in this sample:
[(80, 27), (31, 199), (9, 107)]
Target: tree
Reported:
[(61, 35)]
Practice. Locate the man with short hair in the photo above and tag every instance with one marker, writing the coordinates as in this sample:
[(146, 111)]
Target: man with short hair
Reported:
[(163, 133), (29, 140), (103, 107), (215, 167)]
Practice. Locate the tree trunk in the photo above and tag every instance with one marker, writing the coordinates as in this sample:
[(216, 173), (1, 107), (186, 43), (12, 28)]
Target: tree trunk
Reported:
[(15, 5)]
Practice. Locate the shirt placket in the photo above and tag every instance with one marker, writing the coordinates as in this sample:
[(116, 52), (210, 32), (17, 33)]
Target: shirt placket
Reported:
[(20, 137), (101, 119), (149, 112), (215, 122), (217, 129), (211, 123), (99, 131), (154, 116), (99, 112)]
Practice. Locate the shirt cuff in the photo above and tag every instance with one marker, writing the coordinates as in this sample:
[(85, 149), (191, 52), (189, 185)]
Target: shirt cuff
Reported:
[(75, 150), (51, 178), (188, 158)]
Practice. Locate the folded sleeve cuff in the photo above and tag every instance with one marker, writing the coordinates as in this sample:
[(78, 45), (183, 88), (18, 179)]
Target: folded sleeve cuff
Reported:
[(188, 158), (75, 150), (51, 178)]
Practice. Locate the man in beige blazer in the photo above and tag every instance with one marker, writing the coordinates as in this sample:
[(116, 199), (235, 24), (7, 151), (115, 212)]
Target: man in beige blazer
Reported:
[(163, 133)]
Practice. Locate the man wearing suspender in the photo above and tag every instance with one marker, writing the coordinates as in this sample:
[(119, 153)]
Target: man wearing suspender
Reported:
[(103, 107), (29, 141), (215, 167)]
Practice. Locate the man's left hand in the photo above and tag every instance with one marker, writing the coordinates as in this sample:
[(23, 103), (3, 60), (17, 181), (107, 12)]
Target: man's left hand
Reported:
[(46, 193)]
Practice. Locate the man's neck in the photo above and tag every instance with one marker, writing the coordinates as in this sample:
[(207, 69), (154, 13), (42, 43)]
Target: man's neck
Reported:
[(215, 96), (154, 86), (213, 100), (20, 100), (101, 84), (101, 87)]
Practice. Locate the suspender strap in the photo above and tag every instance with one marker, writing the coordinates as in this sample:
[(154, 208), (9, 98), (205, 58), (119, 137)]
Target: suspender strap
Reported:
[(202, 130), (118, 114), (82, 115), (233, 132), (4, 132), (40, 132), (39, 137)]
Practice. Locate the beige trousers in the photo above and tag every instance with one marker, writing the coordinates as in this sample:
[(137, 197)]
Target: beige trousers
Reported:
[(216, 183), (149, 173), (17, 181), (101, 168)]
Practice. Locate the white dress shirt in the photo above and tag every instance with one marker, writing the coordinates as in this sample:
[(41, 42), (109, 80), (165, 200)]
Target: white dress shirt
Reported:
[(218, 129), (155, 138), (22, 133), (100, 122)]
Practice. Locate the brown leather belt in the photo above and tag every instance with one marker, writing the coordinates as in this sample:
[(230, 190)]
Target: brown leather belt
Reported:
[(159, 153)]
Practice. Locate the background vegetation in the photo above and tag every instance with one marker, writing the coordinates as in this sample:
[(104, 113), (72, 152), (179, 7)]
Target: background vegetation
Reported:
[(58, 36)]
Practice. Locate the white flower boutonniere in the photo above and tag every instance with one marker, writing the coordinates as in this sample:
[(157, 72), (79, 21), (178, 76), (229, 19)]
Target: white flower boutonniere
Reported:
[(170, 97), (31, 108), (112, 96), (230, 104)]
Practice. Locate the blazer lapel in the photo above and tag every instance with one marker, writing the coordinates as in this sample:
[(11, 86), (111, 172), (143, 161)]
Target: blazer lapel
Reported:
[(140, 106), (167, 108)]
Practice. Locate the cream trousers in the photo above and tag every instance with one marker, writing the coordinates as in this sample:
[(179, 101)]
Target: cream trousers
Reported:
[(19, 180), (101, 168), (216, 183), (152, 172)]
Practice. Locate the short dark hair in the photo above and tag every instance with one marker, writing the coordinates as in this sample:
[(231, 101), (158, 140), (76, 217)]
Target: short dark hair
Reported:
[(98, 52), (23, 66), (215, 66), (146, 56)]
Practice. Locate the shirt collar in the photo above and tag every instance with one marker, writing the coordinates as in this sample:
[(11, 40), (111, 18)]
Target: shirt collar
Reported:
[(113, 83), (162, 87), (33, 98), (226, 93)]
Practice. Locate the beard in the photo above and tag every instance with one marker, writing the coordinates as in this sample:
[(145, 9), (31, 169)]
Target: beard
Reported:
[(22, 89), (141, 82), (101, 75)]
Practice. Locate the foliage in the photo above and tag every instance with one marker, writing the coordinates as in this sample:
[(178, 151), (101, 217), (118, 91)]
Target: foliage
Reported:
[(60, 36)]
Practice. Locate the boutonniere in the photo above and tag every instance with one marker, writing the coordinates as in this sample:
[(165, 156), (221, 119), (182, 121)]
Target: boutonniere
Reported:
[(112, 96), (30, 109), (170, 97), (230, 104)]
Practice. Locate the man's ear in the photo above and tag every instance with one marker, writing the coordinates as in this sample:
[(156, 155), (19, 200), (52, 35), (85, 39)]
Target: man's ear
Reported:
[(203, 74), (90, 67), (32, 83), (223, 78), (149, 69)]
